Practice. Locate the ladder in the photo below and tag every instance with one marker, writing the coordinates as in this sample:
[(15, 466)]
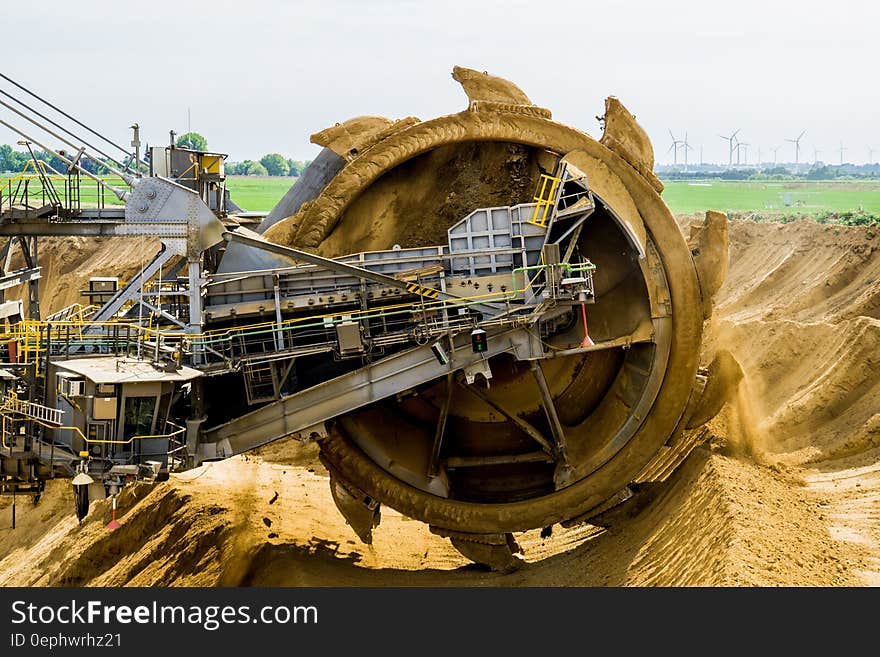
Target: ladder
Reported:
[(74, 202), (547, 197), (33, 410)]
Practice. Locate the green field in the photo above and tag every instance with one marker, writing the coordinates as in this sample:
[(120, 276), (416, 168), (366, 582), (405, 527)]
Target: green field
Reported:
[(772, 197), (786, 198), (257, 193), (262, 193)]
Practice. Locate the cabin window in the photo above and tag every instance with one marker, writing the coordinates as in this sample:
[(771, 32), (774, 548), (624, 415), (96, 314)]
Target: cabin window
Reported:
[(139, 412)]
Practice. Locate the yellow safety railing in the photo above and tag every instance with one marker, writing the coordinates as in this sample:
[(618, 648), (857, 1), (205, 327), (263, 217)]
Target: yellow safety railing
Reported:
[(4, 418), (28, 335), (178, 431), (34, 169), (544, 198), (11, 405), (75, 312)]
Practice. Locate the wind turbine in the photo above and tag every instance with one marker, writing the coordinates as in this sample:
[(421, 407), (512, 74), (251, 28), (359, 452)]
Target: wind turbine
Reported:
[(797, 148), (687, 147), (730, 141), (816, 152), (774, 153), (871, 150), (842, 151), (674, 148), (745, 149)]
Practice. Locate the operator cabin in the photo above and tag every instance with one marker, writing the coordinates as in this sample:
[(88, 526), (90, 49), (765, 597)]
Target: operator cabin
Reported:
[(121, 406)]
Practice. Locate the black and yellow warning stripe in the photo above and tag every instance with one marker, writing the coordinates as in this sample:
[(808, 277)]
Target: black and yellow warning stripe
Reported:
[(422, 291)]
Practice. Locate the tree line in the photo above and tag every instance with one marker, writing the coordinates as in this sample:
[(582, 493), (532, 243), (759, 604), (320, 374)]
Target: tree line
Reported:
[(272, 164), (13, 161)]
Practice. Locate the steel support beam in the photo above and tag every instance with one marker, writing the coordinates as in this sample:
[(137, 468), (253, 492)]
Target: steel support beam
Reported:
[(91, 228), (194, 295), (29, 251), (382, 379), (18, 277), (550, 410), (524, 426), (434, 463), (130, 291)]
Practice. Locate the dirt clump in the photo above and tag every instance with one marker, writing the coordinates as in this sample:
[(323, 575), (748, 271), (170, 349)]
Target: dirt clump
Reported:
[(414, 204)]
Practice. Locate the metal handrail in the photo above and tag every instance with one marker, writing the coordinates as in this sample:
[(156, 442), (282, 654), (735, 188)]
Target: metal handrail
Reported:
[(31, 409), (29, 185), (544, 198)]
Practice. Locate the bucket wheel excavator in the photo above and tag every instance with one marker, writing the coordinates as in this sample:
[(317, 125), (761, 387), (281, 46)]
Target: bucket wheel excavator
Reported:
[(489, 321), (615, 396)]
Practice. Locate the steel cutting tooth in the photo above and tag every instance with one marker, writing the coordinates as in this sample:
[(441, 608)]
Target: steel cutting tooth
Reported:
[(360, 511), (499, 552)]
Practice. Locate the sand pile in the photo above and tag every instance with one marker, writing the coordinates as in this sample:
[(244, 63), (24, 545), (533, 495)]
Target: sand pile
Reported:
[(801, 311), (720, 521), (68, 262), (785, 493), (802, 271)]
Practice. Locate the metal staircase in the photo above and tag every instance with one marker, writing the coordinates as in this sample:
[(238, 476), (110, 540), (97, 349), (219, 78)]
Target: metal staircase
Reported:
[(45, 414), (130, 292)]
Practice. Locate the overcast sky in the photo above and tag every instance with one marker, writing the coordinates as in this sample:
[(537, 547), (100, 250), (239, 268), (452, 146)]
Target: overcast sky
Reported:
[(262, 75)]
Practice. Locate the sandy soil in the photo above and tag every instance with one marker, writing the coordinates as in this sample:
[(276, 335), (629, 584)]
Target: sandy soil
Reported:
[(785, 493), (68, 262)]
